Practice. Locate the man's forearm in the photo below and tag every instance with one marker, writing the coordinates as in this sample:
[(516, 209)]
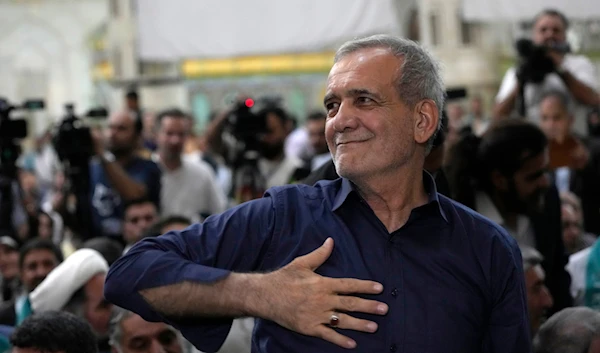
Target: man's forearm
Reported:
[(503, 108), (236, 295), (582, 92), (127, 188)]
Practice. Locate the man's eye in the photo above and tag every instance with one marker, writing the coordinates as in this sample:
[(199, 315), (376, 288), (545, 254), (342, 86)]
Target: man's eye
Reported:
[(363, 100), (332, 105)]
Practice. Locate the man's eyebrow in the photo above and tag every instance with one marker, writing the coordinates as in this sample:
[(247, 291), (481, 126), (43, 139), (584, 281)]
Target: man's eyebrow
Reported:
[(328, 97), (353, 93)]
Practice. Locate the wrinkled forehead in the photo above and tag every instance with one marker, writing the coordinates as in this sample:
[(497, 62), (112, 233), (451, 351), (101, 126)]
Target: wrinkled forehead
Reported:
[(378, 64)]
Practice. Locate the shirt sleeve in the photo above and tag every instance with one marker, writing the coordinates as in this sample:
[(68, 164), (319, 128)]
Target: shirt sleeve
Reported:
[(237, 240), (508, 330), (584, 70), (508, 84)]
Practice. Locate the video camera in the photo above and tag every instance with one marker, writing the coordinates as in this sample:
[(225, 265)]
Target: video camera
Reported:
[(242, 133), (73, 143), (72, 140), (535, 63), (246, 124), (10, 131)]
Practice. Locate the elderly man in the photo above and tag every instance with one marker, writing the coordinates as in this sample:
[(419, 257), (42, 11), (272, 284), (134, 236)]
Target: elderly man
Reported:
[(411, 270), (129, 333), (539, 299), (570, 330)]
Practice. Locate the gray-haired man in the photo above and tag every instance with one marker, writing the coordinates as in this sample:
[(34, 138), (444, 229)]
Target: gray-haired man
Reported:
[(570, 330), (412, 271), (129, 333)]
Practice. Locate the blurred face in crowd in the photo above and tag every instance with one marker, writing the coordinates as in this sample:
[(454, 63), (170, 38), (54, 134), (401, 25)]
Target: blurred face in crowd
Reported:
[(9, 262), (524, 193), (140, 336), (149, 129), (132, 103), (172, 134), (121, 135), (572, 228), (316, 134), (370, 130), (455, 115), (539, 299), (45, 226), (273, 140), (555, 120), (549, 29), (138, 219), (477, 106), (37, 264), (97, 310)]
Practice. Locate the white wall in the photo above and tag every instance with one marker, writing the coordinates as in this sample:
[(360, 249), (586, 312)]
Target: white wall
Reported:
[(44, 51)]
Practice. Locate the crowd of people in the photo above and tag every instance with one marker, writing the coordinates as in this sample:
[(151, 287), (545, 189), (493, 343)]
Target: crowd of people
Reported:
[(394, 220)]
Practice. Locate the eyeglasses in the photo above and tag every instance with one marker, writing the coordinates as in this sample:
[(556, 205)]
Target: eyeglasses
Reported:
[(148, 218)]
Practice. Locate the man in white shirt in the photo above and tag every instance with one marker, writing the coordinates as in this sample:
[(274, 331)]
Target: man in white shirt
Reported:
[(188, 188), (277, 168), (574, 74)]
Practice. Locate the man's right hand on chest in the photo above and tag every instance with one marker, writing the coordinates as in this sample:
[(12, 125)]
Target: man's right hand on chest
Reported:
[(297, 298)]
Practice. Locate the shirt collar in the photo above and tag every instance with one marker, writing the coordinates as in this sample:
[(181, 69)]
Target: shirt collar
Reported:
[(347, 188), (485, 206)]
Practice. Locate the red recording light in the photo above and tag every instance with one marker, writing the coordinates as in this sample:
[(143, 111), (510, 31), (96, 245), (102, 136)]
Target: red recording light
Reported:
[(249, 102)]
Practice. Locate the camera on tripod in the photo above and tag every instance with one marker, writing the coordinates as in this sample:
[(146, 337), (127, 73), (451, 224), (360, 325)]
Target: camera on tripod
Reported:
[(535, 63), (73, 143), (243, 134), (246, 125), (12, 130)]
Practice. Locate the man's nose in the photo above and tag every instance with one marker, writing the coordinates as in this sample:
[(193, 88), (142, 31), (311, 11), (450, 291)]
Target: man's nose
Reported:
[(345, 118), (157, 347)]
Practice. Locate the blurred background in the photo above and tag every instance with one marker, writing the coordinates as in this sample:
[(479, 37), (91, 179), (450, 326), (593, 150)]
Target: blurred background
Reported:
[(200, 54)]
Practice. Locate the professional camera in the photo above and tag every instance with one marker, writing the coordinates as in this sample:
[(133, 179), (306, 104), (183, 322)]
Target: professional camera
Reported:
[(246, 124), (11, 130), (72, 140), (242, 134), (535, 63)]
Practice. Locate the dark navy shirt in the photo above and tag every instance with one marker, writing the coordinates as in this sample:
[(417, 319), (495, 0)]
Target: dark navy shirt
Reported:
[(107, 206), (453, 280)]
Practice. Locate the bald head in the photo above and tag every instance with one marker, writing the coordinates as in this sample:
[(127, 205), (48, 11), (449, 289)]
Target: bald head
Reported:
[(123, 133)]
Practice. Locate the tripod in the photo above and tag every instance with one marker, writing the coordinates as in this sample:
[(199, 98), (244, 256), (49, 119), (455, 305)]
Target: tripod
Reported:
[(248, 183)]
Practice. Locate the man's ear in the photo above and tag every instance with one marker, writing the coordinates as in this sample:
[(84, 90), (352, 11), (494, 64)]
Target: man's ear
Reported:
[(426, 120), (499, 181)]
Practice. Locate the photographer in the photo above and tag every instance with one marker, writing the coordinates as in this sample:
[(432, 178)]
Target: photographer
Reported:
[(573, 74), (120, 176), (275, 167)]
